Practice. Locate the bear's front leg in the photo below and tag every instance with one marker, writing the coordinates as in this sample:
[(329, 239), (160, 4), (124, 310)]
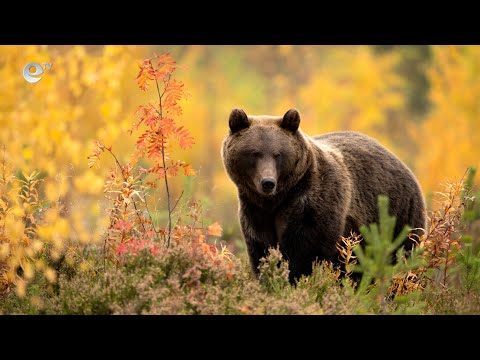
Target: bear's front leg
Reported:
[(258, 230), (256, 250), (310, 235)]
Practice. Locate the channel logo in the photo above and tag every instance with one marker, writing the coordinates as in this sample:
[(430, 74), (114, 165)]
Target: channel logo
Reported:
[(33, 70)]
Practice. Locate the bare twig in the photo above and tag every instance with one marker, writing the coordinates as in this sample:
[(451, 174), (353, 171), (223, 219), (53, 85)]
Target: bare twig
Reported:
[(174, 206)]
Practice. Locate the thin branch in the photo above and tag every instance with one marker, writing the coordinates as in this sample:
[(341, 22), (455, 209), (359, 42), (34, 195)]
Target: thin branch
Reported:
[(174, 206), (160, 96), (165, 168)]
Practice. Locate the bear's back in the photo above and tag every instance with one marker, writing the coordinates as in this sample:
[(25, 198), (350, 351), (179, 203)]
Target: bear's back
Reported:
[(374, 171), (361, 152), (346, 141)]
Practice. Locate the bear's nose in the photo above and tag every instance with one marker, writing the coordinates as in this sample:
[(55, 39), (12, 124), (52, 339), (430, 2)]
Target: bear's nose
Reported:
[(268, 184)]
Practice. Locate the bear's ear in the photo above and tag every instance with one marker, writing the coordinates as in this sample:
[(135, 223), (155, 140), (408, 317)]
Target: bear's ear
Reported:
[(238, 120), (291, 121)]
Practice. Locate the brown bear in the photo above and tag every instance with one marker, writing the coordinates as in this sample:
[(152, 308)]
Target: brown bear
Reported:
[(302, 193)]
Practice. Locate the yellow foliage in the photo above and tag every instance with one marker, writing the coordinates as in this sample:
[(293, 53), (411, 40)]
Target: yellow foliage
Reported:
[(89, 183), (21, 288), (28, 271), (51, 124), (20, 246), (84, 266), (50, 275), (4, 250), (450, 134), (353, 91)]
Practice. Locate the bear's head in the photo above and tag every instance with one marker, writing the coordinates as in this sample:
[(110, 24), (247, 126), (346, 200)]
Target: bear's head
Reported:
[(265, 155)]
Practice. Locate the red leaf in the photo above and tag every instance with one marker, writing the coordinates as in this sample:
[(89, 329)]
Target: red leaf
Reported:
[(167, 126), (165, 59), (185, 140), (148, 115), (174, 92), (123, 225), (151, 184), (121, 249), (215, 230), (172, 170)]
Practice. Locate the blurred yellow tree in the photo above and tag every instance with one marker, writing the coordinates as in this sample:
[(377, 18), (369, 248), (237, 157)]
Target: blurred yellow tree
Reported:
[(354, 90), (448, 137), (49, 126)]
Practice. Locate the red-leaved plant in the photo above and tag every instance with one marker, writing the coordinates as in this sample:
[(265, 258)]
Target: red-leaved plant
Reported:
[(131, 225)]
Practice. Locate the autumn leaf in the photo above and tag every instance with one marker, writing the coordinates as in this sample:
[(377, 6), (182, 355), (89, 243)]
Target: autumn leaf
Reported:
[(123, 226), (215, 230), (172, 170), (151, 184), (184, 137), (188, 170), (98, 149), (146, 74), (155, 146), (121, 249), (174, 92), (167, 126), (166, 64), (148, 115)]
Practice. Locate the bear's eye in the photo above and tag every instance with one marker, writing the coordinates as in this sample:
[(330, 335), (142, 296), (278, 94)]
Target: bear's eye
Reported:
[(255, 154), (277, 156)]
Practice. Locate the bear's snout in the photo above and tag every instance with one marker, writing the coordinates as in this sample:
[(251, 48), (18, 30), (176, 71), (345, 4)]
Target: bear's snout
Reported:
[(268, 185)]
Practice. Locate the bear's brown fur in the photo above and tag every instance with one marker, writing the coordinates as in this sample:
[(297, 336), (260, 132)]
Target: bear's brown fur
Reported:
[(302, 193)]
